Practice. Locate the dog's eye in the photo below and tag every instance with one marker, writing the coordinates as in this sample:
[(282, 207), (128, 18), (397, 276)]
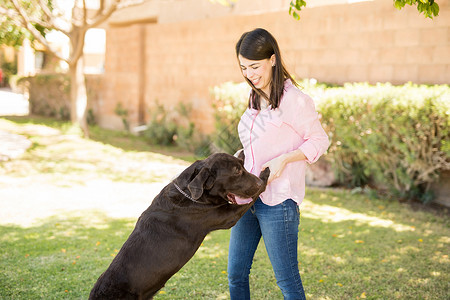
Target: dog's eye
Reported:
[(238, 171)]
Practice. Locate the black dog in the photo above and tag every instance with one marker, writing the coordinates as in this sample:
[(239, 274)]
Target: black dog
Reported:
[(203, 198)]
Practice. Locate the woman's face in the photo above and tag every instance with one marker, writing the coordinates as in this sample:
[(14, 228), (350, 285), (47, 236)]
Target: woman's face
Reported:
[(259, 72)]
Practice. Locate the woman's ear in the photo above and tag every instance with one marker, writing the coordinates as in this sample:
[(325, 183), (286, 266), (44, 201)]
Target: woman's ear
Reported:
[(273, 59)]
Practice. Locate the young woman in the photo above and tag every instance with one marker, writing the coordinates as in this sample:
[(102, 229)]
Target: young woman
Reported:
[(280, 130)]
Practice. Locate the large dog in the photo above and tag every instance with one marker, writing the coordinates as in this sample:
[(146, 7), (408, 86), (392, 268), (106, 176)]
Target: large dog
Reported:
[(211, 194)]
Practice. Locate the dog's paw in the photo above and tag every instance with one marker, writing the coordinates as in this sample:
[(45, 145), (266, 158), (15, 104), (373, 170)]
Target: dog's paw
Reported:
[(265, 174), (240, 154)]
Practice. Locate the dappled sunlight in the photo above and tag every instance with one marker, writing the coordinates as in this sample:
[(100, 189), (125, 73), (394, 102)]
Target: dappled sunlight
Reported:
[(310, 251), (444, 239), (339, 260), (334, 214), (441, 258), (419, 282), (364, 260), (211, 251), (391, 258), (407, 250), (435, 274)]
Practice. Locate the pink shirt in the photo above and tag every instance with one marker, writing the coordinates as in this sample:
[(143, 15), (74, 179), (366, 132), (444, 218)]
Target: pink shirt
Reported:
[(266, 134)]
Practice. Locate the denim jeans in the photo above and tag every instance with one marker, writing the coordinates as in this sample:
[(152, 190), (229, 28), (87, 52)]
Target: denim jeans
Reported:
[(278, 225)]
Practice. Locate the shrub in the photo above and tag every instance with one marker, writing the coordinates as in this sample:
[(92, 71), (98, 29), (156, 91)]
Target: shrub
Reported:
[(394, 137), (397, 134), (122, 112), (174, 128), (49, 94), (230, 102), (8, 69)]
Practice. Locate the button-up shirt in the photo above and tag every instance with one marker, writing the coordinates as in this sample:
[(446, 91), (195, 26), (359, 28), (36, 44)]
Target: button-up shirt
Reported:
[(269, 133)]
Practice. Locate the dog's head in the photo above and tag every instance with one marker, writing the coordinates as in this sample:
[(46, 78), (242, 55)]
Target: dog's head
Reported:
[(223, 176)]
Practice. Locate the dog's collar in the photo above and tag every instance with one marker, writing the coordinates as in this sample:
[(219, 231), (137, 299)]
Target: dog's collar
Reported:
[(185, 194)]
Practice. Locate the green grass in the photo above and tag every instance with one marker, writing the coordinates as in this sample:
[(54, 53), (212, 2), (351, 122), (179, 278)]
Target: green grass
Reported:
[(350, 246)]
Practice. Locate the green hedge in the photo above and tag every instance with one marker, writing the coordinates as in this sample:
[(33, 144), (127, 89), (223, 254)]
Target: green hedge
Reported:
[(230, 101), (395, 138), (49, 94), (175, 127)]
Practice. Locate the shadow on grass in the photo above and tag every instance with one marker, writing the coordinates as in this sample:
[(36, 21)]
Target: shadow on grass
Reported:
[(348, 248)]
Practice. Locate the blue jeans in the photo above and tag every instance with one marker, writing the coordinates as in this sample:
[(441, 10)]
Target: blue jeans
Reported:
[(278, 225)]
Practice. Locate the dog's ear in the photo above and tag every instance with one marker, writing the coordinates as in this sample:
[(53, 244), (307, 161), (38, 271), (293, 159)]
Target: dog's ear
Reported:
[(203, 180)]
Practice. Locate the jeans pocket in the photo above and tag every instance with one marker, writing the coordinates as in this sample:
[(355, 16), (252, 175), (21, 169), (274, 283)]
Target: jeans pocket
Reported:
[(292, 212)]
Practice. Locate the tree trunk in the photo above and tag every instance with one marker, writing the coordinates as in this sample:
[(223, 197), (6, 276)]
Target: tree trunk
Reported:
[(78, 96)]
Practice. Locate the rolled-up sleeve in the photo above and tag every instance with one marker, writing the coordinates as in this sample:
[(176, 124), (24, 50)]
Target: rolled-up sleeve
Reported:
[(307, 124)]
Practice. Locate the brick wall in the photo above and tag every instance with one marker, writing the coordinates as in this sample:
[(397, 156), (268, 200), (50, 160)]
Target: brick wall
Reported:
[(121, 84), (181, 61)]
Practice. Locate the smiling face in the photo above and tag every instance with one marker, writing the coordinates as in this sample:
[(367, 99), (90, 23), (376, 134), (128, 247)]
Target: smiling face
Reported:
[(259, 72)]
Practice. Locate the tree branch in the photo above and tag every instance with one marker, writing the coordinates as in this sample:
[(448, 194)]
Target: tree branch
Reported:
[(11, 13), (49, 15), (45, 9), (84, 13), (75, 21), (26, 23), (101, 8), (102, 16), (50, 24), (77, 40)]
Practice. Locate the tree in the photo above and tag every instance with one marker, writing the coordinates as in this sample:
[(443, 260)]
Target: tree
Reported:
[(428, 7), (35, 18)]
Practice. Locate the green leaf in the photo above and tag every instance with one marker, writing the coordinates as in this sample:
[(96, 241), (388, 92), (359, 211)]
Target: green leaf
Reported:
[(399, 4), (435, 9)]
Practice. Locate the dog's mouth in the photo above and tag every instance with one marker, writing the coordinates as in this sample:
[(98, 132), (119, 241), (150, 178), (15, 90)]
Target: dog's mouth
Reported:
[(235, 199)]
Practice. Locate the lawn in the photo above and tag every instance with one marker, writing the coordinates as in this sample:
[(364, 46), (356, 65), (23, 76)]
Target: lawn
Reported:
[(68, 204)]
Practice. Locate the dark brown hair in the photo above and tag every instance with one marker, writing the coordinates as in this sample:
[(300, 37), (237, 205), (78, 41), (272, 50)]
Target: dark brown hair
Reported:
[(259, 44)]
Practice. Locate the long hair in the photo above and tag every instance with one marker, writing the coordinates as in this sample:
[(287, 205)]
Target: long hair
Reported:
[(259, 44)]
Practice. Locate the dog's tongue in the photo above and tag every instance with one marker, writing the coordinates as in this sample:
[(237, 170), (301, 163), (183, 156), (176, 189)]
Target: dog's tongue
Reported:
[(240, 200)]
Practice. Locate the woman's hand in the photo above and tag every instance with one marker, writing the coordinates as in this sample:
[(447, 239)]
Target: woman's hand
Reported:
[(278, 164), (276, 167)]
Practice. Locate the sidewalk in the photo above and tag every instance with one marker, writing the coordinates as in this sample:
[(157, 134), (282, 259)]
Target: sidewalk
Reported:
[(12, 104)]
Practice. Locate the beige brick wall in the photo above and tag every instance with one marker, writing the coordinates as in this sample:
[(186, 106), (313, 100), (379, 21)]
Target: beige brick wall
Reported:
[(367, 41), (121, 75)]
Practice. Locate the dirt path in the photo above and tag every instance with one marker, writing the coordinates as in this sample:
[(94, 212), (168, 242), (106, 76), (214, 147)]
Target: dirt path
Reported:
[(25, 202), (63, 175)]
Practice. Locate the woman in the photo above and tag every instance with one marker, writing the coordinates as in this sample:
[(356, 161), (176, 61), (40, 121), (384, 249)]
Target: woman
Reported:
[(279, 130)]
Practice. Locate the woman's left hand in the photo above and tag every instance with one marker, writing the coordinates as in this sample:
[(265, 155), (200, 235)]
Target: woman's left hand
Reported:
[(276, 167)]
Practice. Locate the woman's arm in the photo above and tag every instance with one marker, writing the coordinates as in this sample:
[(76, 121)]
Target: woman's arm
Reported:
[(278, 164), (304, 119)]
